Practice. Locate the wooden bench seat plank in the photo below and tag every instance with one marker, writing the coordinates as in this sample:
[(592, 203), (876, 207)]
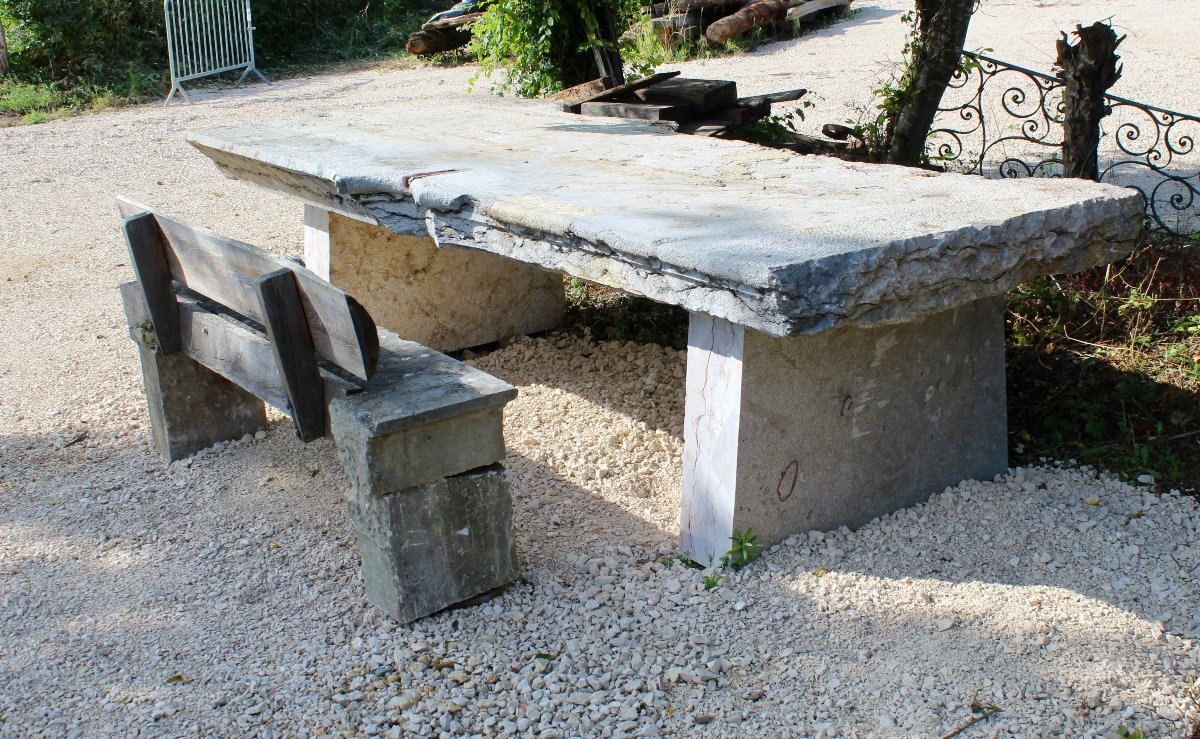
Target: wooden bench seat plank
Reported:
[(225, 270)]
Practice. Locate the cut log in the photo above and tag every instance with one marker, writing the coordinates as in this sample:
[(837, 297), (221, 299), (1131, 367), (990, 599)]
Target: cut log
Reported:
[(758, 13), (800, 10), (700, 96), (427, 43), (639, 111)]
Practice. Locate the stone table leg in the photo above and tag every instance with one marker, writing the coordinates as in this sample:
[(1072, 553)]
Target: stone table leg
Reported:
[(446, 299), (836, 428)]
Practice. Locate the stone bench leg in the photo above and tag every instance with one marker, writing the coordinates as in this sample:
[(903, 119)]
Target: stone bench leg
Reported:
[(836, 428), (430, 504), (446, 299), (191, 407)]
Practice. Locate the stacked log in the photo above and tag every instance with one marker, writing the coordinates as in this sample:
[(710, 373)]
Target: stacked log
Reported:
[(445, 31)]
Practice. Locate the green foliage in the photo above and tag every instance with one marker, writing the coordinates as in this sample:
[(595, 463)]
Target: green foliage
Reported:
[(1124, 732), (21, 98), (79, 54), (712, 580), (745, 549), (537, 47), (100, 41), (776, 129), (1104, 366)]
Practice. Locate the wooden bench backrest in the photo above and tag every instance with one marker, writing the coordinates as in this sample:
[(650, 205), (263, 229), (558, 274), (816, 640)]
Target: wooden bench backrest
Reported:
[(227, 272), (303, 316)]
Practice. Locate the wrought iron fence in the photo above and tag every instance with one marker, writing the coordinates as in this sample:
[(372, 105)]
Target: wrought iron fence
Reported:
[(207, 37), (1001, 120)]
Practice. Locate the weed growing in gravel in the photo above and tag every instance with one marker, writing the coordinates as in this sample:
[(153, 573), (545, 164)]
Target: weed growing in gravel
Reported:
[(745, 549), (712, 580)]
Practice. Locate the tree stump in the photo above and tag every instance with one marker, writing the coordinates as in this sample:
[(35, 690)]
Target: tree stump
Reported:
[(1087, 70)]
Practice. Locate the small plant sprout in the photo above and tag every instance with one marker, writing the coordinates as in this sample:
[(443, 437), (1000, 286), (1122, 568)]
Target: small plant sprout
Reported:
[(745, 549)]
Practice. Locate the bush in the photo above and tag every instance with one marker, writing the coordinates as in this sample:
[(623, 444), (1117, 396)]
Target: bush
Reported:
[(542, 46), (106, 41)]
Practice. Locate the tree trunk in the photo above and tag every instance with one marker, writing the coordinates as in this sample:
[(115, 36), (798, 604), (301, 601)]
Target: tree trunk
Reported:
[(936, 53), (1087, 69), (3, 52)]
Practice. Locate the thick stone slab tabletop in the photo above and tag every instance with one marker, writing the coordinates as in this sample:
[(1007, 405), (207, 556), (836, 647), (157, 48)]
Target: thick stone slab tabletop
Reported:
[(782, 243)]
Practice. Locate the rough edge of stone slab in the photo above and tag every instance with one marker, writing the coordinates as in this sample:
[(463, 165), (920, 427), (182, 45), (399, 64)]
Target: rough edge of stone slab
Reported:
[(860, 288)]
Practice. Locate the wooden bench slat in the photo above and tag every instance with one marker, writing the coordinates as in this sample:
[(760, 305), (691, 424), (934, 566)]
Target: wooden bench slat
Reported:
[(225, 270), (149, 258), (291, 343), (242, 355)]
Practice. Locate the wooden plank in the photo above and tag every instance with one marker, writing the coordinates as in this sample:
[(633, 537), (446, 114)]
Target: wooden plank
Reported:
[(700, 96), (574, 96), (639, 111), (452, 22), (802, 9), (774, 97), (225, 270), (146, 250), (242, 354), (616, 92), (293, 349)]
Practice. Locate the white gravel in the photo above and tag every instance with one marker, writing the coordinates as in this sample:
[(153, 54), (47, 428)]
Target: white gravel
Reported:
[(222, 597)]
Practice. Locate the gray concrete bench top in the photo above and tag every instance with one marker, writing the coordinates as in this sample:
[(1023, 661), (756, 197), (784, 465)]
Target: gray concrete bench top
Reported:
[(781, 243)]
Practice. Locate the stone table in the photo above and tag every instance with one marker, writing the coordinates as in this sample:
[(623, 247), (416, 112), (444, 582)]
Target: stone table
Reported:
[(846, 346)]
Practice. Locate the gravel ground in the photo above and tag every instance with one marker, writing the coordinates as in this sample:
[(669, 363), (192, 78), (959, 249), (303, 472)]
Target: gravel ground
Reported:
[(221, 596)]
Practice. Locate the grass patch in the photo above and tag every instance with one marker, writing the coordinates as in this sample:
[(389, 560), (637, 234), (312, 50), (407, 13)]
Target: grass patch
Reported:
[(610, 315), (1104, 366)]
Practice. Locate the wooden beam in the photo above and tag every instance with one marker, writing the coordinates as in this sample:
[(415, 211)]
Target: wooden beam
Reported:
[(701, 96), (625, 89), (774, 97), (154, 276), (292, 346), (640, 111)]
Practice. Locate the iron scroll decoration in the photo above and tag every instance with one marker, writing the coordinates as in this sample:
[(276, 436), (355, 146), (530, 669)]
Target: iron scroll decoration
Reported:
[(1002, 120)]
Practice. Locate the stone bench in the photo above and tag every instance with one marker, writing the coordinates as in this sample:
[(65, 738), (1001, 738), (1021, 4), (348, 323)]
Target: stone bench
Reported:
[(222, 327), (846, 343)]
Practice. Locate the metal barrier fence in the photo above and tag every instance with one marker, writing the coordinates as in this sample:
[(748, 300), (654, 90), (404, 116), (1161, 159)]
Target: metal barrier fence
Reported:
[(998, 119), (207, 37)]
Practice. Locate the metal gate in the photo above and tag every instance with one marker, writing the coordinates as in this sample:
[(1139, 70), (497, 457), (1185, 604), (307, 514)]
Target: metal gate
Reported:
[(207, 37)]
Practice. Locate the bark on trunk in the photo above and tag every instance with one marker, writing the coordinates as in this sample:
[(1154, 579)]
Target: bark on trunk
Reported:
[(941, 32), (1087, 69), (3, 52), (758, 13)]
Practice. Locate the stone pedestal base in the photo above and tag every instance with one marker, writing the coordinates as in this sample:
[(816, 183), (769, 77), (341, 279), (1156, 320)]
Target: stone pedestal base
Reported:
[(432, 546), (191, 407), (446, 299), (836, 428), (422, 447)]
